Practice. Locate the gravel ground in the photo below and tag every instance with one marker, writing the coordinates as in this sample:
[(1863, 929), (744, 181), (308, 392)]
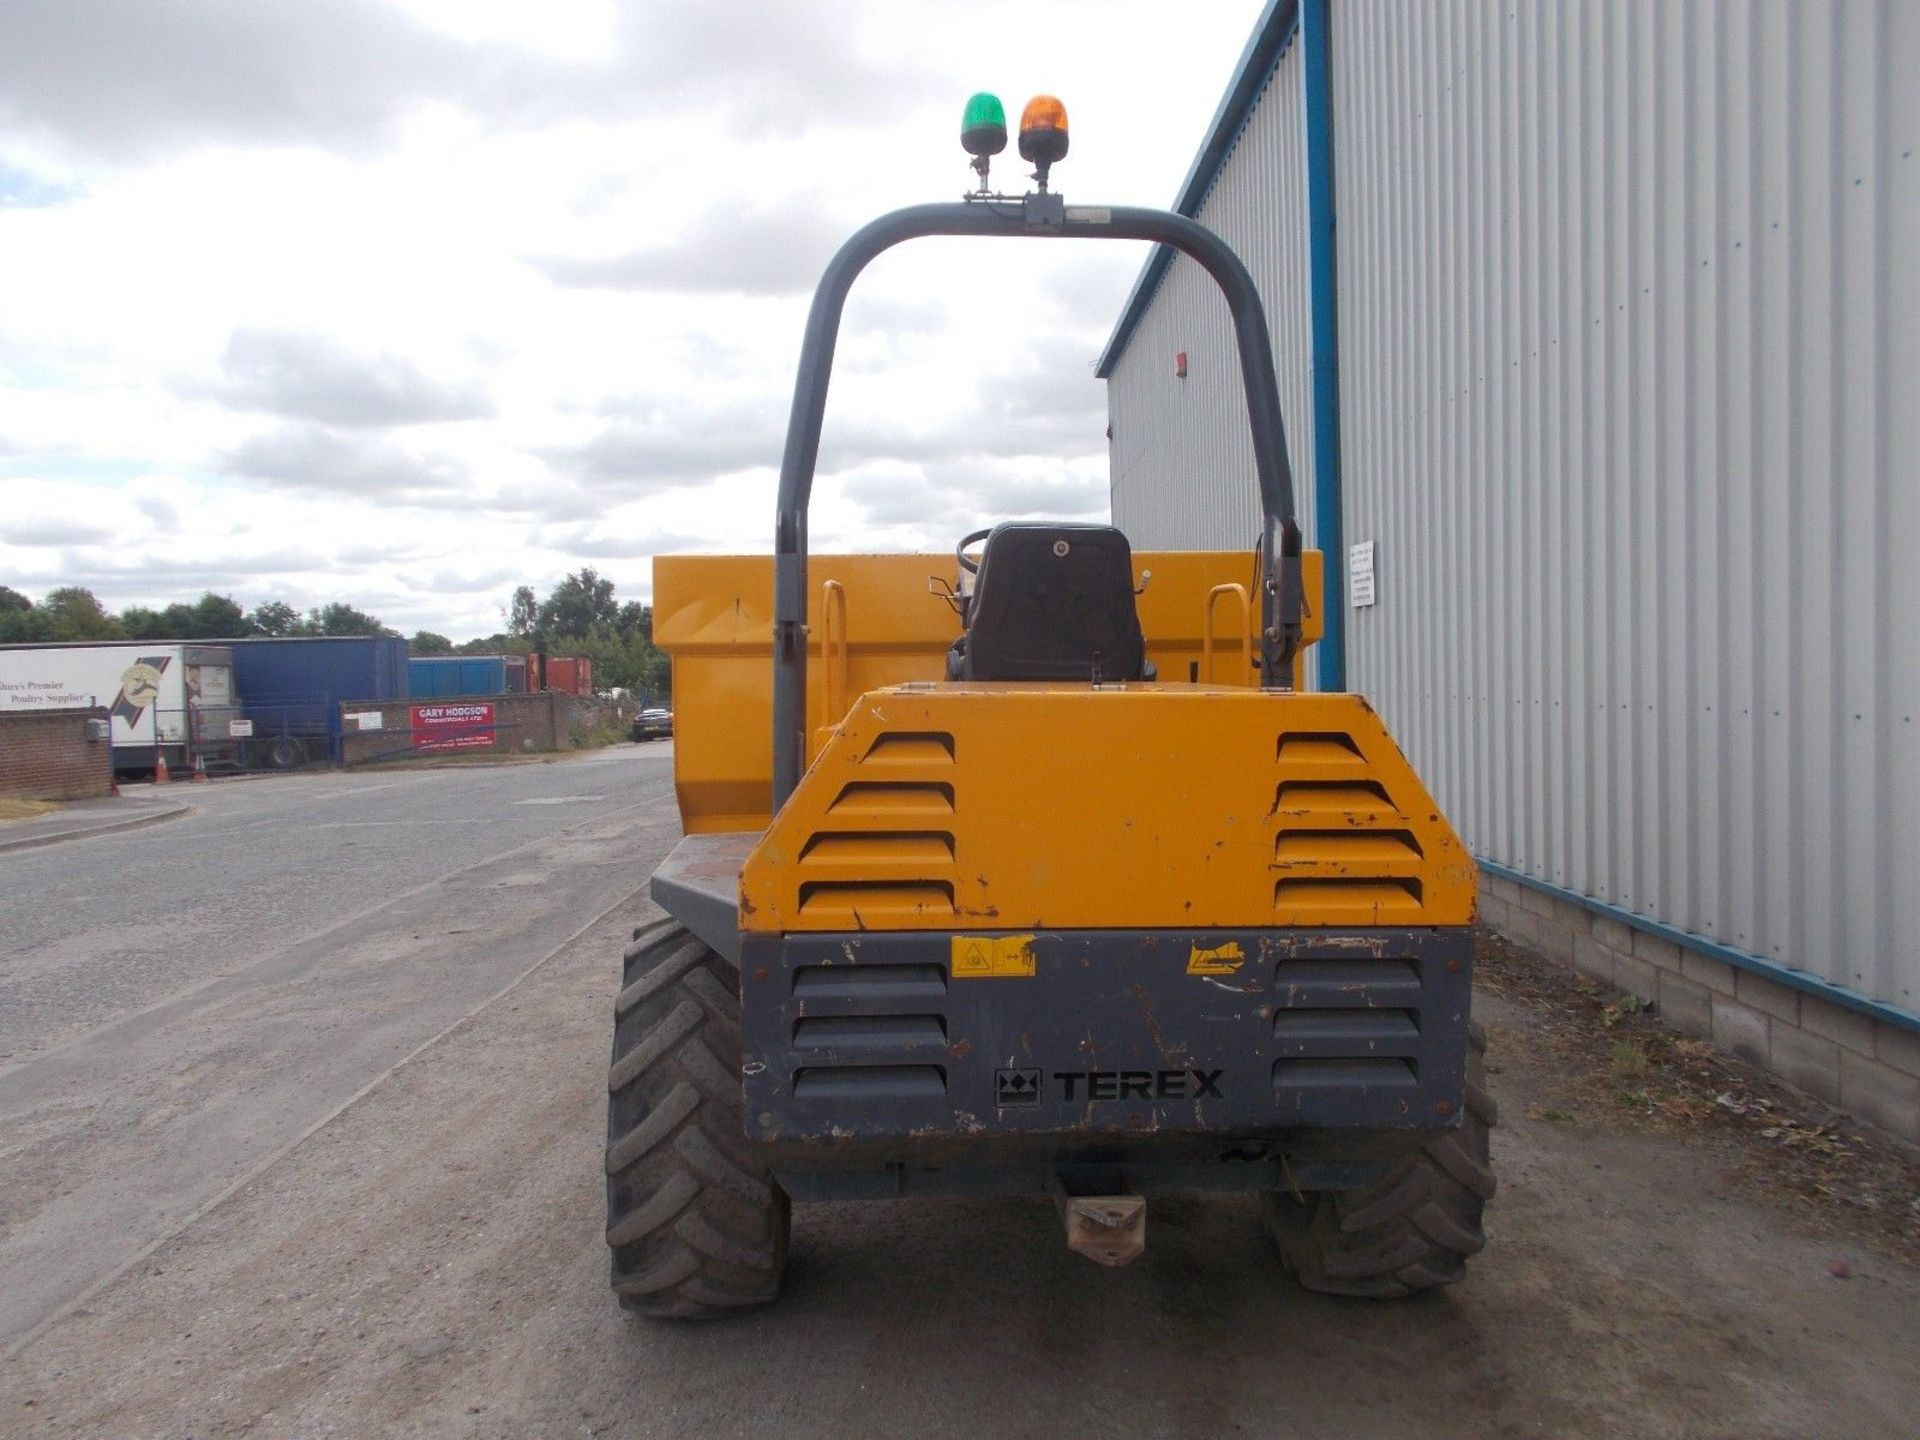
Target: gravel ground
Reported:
[(428, 1261)]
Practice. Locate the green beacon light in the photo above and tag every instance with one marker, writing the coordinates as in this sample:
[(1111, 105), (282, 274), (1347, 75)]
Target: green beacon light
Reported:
[(983, 132)]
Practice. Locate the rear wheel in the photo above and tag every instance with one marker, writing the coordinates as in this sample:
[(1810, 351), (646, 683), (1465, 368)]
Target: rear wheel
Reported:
[(697, 1226), (285, 753), (1409, 1231)]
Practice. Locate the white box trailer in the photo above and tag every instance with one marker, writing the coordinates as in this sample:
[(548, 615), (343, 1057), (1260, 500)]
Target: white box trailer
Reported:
[(169, 695)]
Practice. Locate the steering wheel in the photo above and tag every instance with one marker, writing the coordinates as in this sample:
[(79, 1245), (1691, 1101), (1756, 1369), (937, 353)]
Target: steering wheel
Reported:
[(971, 566)]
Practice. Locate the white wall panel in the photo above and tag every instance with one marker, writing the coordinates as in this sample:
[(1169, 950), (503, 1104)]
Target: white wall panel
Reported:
[(1629, 405), (1621, 286), (1182, 455)]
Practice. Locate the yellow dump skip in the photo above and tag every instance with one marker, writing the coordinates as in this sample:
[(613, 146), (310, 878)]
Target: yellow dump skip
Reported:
[(975, 807), (875, 624)]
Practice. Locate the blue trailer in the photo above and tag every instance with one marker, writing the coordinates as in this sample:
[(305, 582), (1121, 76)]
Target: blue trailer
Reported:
[(293, 688), (436, 677)]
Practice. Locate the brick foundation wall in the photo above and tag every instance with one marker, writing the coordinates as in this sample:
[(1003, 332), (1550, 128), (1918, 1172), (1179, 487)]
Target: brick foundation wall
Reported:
[(1849, 1059), (46, 755), (523, 724)]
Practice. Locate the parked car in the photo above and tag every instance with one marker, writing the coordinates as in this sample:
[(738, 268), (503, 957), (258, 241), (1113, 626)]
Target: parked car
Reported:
[(654, 724)]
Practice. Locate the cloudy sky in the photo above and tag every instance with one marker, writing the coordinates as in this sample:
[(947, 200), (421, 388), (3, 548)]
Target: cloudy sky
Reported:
[(408, 302)]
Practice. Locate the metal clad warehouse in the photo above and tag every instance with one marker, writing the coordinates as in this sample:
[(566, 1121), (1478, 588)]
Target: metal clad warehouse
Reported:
[(1612, 302)]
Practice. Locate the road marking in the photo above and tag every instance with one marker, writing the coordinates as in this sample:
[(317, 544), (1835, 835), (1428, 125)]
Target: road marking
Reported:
[(558, 800)]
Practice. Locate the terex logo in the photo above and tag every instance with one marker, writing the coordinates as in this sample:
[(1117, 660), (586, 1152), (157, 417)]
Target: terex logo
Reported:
[(1138, 1084)]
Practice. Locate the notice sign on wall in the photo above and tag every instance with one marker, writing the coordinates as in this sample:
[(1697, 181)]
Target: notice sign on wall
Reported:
[(1360, 574), (453, 727)]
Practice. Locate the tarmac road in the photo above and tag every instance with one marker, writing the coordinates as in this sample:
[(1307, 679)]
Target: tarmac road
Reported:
[(428, 1260), (179, 1003)]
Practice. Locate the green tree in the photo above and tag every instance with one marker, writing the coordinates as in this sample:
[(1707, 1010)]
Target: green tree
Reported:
[(636, 619), (218, 617), (624, 661), (425, 642), (143, 622), (340, 618), (650, 675), (577, 605), (523, 614), (76, 614), (276, 617), (21, 621)]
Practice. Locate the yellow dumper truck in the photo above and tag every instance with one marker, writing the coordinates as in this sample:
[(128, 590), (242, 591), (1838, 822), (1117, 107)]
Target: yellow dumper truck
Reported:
[(1032, 870)]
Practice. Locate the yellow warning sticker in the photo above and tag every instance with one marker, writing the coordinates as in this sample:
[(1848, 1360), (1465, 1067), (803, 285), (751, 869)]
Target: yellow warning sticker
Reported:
[(985, 957), (1224, 961)]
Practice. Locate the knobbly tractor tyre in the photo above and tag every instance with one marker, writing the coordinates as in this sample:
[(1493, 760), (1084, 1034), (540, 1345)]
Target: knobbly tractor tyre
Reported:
[(697, 1226), (1410, 1231)]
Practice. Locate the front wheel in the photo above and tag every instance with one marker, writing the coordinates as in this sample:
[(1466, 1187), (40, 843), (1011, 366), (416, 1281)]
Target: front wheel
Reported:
[(1409, 1231), (697, 1225)]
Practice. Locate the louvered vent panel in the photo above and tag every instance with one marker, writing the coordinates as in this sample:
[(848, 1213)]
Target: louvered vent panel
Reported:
[(870, 1032), (1342, 1024), (888, 857), (891, 798), (1344, 851), (870, 904)]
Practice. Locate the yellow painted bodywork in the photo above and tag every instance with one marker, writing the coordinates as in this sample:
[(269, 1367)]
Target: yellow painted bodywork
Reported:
[(992, 810), (713, 614), (976, 807)]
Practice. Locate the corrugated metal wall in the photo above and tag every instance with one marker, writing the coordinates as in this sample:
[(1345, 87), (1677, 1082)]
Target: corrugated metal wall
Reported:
[(1182, 457), (1629, 407)]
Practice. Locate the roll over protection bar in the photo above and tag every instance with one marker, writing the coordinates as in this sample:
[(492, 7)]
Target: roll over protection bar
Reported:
[(1032, 215)]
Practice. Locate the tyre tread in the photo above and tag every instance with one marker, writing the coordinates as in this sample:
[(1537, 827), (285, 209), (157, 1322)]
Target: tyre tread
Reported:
[(1411, 1230), (696, 1225)]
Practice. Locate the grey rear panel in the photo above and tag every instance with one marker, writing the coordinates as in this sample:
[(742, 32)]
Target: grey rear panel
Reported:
[(870, 1042)]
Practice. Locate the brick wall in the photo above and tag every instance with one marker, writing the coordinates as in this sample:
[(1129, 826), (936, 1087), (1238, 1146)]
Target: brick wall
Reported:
[(522, 724), (1849, 1059), (46, 755)]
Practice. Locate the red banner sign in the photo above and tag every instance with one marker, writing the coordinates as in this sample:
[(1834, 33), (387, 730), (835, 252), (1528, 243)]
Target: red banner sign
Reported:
[(453, 727)]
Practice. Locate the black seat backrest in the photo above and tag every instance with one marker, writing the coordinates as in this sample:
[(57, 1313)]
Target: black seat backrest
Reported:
[(1054, 602)]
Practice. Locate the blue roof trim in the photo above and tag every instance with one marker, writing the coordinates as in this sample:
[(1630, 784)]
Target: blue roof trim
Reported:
[(1316, 84), (1268, 43)]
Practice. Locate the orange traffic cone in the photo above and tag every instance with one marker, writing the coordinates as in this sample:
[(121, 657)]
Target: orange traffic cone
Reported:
[(160, 775), (200, 768)]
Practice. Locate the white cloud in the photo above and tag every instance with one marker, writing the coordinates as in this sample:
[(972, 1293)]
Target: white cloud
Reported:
[(305, 376), (395, 303)]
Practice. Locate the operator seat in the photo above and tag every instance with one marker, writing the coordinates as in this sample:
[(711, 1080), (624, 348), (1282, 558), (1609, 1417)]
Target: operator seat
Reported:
[(1052, 602)]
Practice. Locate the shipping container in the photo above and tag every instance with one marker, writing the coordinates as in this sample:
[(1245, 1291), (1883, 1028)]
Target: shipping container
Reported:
[(163, 696), (570, 673), (294, 688), (436, 676)]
